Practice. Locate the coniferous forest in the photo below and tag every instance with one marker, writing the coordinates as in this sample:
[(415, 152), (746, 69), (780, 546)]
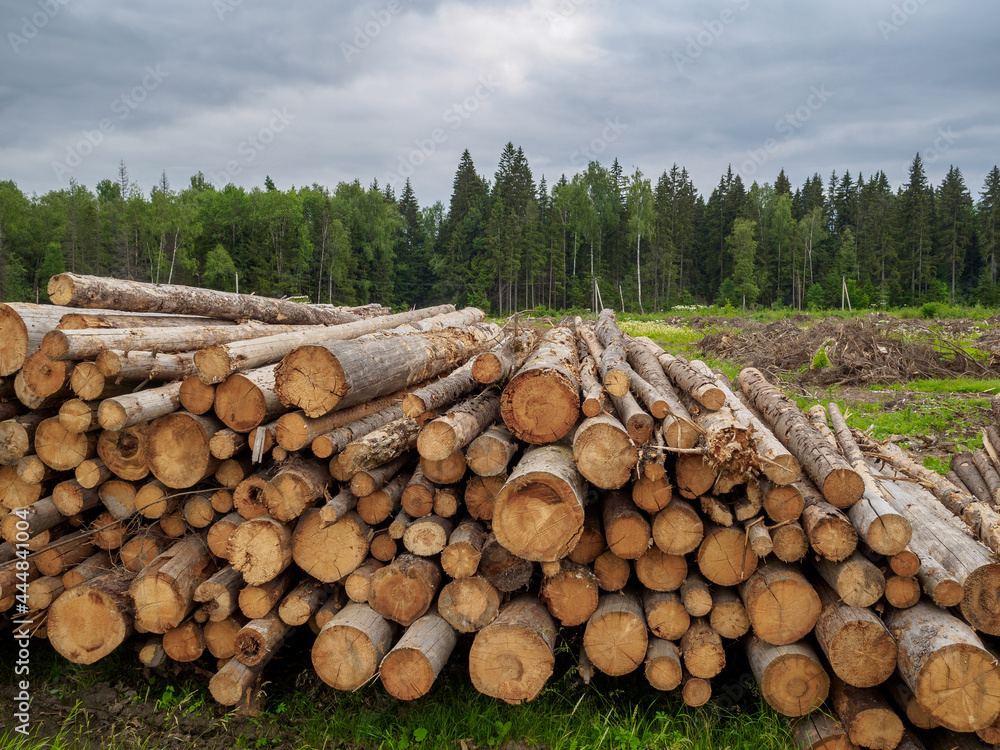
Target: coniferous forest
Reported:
[(512, 243)]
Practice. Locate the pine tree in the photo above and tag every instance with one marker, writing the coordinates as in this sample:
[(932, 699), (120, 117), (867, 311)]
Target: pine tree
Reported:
[(916, 213), (743, 247), (954, 206), (988, 230)]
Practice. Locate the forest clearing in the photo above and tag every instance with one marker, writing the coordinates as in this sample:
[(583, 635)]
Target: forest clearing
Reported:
[(278, 524)]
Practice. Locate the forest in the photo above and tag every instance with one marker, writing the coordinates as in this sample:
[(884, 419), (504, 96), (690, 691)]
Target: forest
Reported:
[(600, 237)]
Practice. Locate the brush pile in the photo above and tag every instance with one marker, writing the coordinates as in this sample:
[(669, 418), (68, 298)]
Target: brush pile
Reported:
[(401, 484)]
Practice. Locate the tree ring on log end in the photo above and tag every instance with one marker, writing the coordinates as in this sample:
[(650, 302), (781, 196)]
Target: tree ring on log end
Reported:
[(540, 406), (310, 378)]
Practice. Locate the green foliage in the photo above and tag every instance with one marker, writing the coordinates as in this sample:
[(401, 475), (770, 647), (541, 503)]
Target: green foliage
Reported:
[(220, 271), (820, 359)]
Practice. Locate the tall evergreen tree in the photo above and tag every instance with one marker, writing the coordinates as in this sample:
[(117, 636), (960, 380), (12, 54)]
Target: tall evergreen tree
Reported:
[(954, 206), (916, 213)]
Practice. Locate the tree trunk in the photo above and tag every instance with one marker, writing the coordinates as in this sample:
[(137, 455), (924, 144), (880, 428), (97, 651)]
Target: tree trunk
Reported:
[(448, 471), (591, 388), (663, 664), (164, 592), (791, 678), (781, 604), (678, 529), (92, 619), (124, 411), (614, 369), (136, 365), (220, 594), (963, 464), (830, 532), (545, 485), (837, 480), (217, 362), (256, 601), (728, 616), (334, 441), (408, 671), (358, 584), (782, 502), (460, 559), (817, 731), (445, 435), (571, 594), (248, 399), (469, 604), (60, 449), (502, 568), (701, 646), (318, 378), (616, 635), (294, 430), (665, 614), (350, 647), (97, 564), (500, 364), (383, 502), (701, 387), (541, 403), (260, 549), (132, 296), (724, 557), (513, 657), (380, 446), (177, 449), (77, 415), (490, 453), (652, 495), (328, 553), (427, 536), (626, 529), (404, 590), (655, 570), (297, 486)]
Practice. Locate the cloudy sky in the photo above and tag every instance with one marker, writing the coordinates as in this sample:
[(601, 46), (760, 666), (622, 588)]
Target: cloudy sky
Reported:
[(320, 91)]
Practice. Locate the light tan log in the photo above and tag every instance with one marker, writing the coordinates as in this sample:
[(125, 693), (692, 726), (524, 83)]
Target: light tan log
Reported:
[(513, 657), (782, 502), (294, 430), (465, 421), (637, 422), (614, 369), (678, 529), (297, 486), (964, 466), (408, 671), (832, 474), (236, 683), (955, 679), (92, 619), (418, 495), (697, 597), (857, 645), (248, 399), (857, 581), (490, 453), (616, 635), (695, 475), (480, 495), (818, 731), (791, 677), (604, 452), (66, 552), (502, 568), (22, 327), (695, 691), (728, 616), (831, 533), (427, 536), (220, 594), (358, 584), (626, 529), (657, 570), (869, 719), (469, 604), (725, 557), (460, 559), (499, 364), (447, 501), (665, 614), (17, 435), (440, 392), (592, 390), (365, 482), (404, 590), (185, 643), (164, 591), (318, 378), (538, 515), (448, 471), (591, 542), (36, 518), (195, 396), (701, 387), (383, 547), (380, 446), (256, 601), (259, 638), (781, 603), (124, 411), (790, 542), (702, 649), (60, 449), (328, 553), (260, 549), (217, 362), (571, 594), (135, 365), (663, 664), (97, 564), (652, 495), (70, 498), (42, 591), (77, 415), (350, 647), (177, 449)]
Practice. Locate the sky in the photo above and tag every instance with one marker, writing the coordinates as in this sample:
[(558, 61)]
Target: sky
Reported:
[(318, 91)]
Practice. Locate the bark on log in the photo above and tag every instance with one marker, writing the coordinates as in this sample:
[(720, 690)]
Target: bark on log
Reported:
[(220, 593), (465, 421), (513, 657), (701, 387), (490, 453), (616, 634), (75, 290), (408, 671), (818, 731), (294, 430), (541, 403), (781, 604), (380, 447), (256, 601), (836, 479), (791, 678), (96, 565), (701, 646), (498, 365), (469, 604), (248, 399), (571, 594), (331, 443), (696, 596), (318, 378), (358, 584), (988, 471), (217, 362), (135, 365), (728, 616), (831, 533), (592, 391), (591, 542), (663, 664), (164, 592), (460, 559), (259, 639), (857, 581), (626, 529), (604, 452), (328, 553), (350, 647), (614, 368), (124, 411), (856, 643), (962, 464), (297, 486), (502, 568), (92, 619), (941, 659), (404, 590), (538, 515)]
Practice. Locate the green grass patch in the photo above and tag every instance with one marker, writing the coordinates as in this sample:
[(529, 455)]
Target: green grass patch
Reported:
[(948, 385), (663, 334)]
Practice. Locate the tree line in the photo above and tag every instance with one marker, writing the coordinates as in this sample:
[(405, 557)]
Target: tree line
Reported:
[(600, 237)]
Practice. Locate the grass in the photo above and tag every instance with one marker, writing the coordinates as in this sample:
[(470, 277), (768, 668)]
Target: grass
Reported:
[(948, 385)]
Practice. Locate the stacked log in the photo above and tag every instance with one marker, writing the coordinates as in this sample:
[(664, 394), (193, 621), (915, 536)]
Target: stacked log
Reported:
[(505, 500)]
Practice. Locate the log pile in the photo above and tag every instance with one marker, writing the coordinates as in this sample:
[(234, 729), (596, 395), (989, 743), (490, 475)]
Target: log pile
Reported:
[(391, 482)]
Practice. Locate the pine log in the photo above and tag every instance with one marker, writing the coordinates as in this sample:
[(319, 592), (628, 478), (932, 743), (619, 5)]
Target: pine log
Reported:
[(591, 542), (15, 493), (716, 511), (328, 553), (591, 388), (70, 498), (295, 430), (60, 449), (248, 495), (782, 502), (728, 616), (833, 475), (652, 495), (988, 471), (164, 591), (22, 327), (857, 581), (499, 364), (701, 387), (571, 594), (963, 464), (427, 536), (256, 601), (259, 638), (142, 365), (380, 446), (68, 551), (469, 604), (260, 549), (637, 422), (541, 403), (781, 604), (954, 677), (513, 657), (217, 362), (217, 538), (614, 369), (665, 614), (604, 452), (869, 719), (490, 453), (679, 429), (502, 568), (297, 486), (92, 619), (724, 555), (327, 612), (148, 544), (791, 677), (857, 645), (17, 435), (318, 378), (465, 421), (626, 529), (248, 399), (678, 529), (441, 392), (790, 543), (831, 533), (408, 671), (695, 691), (538, 514), (46, 378), (616, 635), (448, 471), (818, 731), (404, 590), (695, 475), (42, 591), (177, 449), (96, 565), (358, 584), (350, 647), (36, 518), (77, 415), (901, 591), (418, 495), (460, 559), (663, 664), (702, 649), (696, 596), (195, 396), (656, 570)]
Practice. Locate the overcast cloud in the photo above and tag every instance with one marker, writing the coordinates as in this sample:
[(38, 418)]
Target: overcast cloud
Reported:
[(324, 92)]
